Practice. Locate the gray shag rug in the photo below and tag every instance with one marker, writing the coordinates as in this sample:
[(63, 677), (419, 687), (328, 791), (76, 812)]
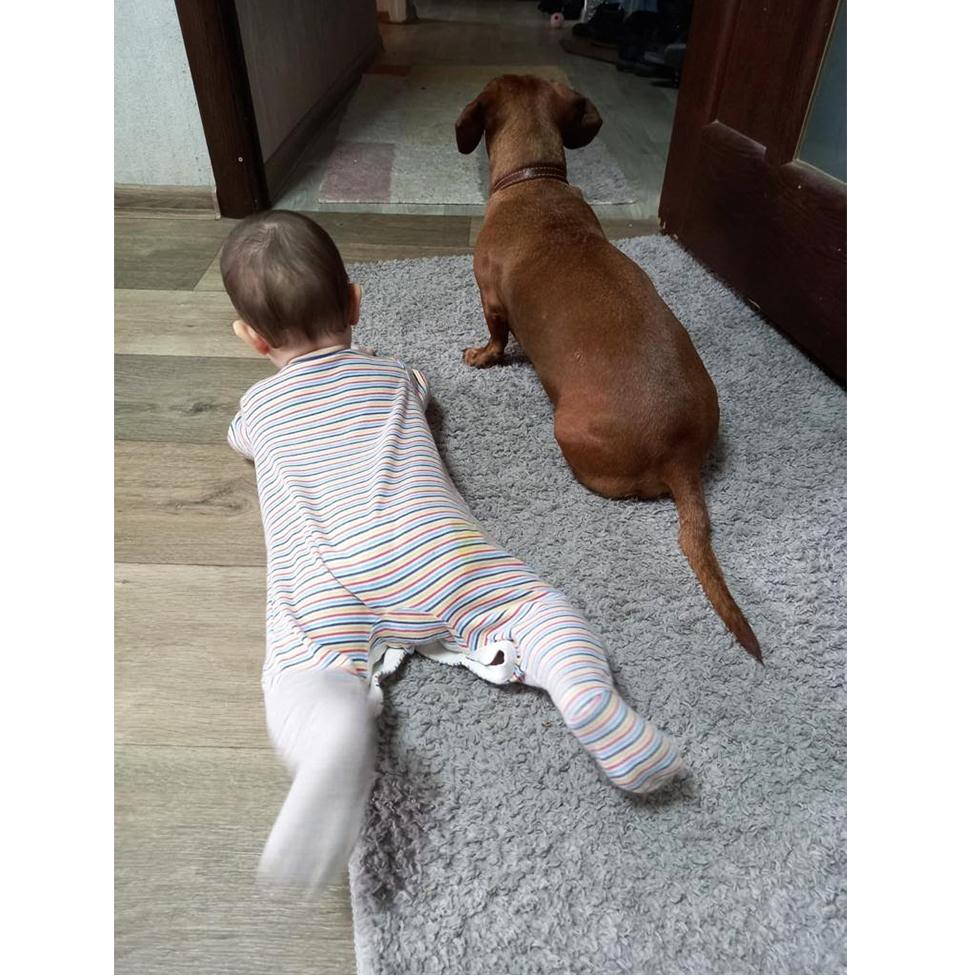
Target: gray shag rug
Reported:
[(493, 845)]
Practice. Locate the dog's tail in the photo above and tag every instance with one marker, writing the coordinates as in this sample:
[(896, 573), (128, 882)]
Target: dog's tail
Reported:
[(693, 537)]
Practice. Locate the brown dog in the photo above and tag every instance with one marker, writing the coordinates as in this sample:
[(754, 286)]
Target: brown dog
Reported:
[(635, 410)]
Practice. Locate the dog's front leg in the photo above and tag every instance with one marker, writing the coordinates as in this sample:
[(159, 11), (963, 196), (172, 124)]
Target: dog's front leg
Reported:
[(493, 351)]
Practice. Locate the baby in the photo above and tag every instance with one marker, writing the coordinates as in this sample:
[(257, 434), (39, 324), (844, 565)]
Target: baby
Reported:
[(373, 554)]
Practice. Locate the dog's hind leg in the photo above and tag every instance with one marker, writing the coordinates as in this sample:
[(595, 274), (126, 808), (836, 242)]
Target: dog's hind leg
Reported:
[(493, 351)]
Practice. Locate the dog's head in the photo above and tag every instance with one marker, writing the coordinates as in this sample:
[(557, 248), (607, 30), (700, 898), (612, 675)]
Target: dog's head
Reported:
[(542, 113)]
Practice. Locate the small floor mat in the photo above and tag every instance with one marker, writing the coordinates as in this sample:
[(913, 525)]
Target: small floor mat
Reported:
[(585, 48)]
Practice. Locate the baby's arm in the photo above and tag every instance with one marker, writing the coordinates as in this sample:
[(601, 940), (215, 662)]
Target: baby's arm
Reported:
[(422, 386), (237, 437)]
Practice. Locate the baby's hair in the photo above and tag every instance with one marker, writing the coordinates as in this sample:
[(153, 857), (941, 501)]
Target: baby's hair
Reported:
[(285, 277)]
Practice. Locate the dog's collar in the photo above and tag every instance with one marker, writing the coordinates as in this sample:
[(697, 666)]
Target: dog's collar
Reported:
[(534, 171)]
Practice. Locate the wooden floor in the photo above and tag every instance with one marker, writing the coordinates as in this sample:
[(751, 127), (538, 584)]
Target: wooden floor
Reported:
[(197, 787)]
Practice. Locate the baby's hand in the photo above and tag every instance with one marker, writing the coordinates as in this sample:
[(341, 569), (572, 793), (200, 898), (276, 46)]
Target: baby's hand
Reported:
[(366, 350)]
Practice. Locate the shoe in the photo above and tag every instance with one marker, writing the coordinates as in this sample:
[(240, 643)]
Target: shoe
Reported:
[(610, 28), (606, 18), (661, 61), (628, 52)]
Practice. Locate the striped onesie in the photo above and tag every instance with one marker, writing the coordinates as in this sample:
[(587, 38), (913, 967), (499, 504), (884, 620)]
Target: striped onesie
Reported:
[(372, 553)]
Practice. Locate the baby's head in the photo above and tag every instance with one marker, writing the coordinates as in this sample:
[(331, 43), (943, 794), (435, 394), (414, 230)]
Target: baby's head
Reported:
[(287, 282)]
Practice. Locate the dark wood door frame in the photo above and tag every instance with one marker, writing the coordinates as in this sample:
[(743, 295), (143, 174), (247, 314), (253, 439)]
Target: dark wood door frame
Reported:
[(212, 37), (770, 225)]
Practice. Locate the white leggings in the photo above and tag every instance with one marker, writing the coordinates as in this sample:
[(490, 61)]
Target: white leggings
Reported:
[(324, 729)]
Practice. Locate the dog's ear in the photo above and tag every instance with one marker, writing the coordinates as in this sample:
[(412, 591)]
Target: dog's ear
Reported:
[(470, 126), (580, 121)]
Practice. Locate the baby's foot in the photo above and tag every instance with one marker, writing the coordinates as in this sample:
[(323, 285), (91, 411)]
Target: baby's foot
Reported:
[(317, 827), (665, 772), (635, 755)]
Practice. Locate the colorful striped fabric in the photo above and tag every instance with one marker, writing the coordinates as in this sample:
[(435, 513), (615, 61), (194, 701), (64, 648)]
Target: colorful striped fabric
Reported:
[(558, 651), (372, 550)]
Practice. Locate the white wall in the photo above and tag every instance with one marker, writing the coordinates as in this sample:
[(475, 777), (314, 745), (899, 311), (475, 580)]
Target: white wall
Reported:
[(297, 52), (158, 134)]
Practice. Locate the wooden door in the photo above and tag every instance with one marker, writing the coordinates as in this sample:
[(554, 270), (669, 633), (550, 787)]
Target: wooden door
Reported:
[(212, 38), (735, 193)]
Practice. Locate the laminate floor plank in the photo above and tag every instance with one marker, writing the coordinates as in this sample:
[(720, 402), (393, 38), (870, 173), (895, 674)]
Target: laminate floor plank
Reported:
[(422, 230), (189, 644), (185, 503), (616, 228), (181, 399), (371, 253), (351, 253), (190, 825), (174, 253), (176, 323), (199, 202), (166, 253), (620, 228)]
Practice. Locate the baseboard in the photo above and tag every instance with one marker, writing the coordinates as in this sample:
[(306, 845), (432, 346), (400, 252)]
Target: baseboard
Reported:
[(166, 201), (281, 162)]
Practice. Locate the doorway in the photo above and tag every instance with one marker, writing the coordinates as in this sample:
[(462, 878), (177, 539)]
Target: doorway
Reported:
[(389, 146)]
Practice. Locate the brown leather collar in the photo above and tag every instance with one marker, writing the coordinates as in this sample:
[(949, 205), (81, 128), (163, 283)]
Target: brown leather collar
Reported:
[(534, 171)]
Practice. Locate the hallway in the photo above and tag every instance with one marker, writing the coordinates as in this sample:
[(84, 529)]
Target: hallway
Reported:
[(389, 148)]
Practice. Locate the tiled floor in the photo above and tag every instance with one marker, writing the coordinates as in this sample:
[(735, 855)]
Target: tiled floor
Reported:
[(452, 40)]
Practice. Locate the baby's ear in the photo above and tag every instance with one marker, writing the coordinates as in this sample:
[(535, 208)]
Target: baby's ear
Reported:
[(355, 302), (245, 333)]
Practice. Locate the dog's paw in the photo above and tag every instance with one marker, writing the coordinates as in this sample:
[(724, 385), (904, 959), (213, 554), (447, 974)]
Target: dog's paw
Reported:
[(481, 358)]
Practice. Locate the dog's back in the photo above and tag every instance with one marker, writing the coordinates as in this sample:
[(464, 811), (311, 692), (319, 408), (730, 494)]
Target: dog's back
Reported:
[(595, 327)]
